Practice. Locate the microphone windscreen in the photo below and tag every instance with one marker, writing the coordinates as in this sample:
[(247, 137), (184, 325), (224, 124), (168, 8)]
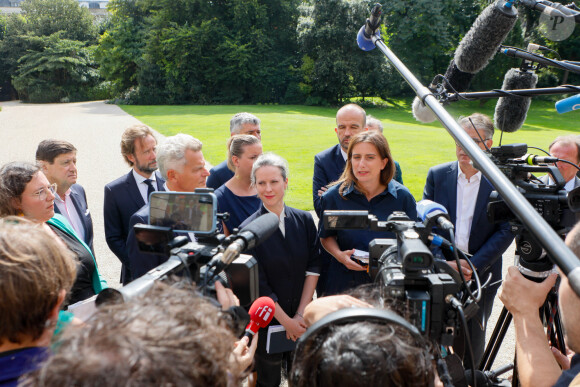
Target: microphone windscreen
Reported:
[(458, 79), (365, 43), (511, 111), (568, 104), (485, 36), (422, 112), (261, 227), (261, 313), (424, 207)]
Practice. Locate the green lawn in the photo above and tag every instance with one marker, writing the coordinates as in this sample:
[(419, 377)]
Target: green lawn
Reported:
[(297, 133)]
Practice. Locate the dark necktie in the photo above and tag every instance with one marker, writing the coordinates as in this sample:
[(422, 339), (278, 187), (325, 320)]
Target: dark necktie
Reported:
[(150, 188)]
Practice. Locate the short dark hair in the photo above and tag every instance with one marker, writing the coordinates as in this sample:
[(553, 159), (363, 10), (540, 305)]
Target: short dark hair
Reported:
[(48, 150), (169, 336), (362, 353)]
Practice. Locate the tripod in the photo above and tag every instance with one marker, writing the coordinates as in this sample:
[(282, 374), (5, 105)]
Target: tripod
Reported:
[(534, 265)]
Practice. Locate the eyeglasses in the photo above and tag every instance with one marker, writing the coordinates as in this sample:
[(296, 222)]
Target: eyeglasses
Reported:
[(41, 193), (475, 140)]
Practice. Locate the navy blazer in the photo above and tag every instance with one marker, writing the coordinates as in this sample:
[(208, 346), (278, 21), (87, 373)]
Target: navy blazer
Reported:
[(79, 199), (487, 241), (284, 260), (328, 166), (122, 200), (219, 175)]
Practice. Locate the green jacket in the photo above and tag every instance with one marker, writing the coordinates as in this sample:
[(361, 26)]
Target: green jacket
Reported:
[(60, 221)]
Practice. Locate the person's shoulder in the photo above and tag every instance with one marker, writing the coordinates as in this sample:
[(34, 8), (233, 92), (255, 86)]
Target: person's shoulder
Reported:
[(291, 211), (442, 167), (326, 153), (250, 218), (221, 167), (221, 191), (118, 181), (332, 191), (399, 189), (141, 214)]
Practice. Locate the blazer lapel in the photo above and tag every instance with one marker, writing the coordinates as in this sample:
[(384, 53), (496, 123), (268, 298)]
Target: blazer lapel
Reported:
[(74, 196), (133, 190), (451, 186), (485, 189)]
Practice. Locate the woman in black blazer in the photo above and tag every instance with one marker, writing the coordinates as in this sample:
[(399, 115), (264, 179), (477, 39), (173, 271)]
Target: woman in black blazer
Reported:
[(288, 263)]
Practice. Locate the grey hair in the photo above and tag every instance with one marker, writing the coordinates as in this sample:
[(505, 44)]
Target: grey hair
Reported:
[(240, 119), (171, 153), (269, 160), (236, 146), (373, 121), (481, 122)]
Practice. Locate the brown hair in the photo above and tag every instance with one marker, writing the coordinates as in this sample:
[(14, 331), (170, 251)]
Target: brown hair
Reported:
[(48, 150), (236, 146), (169, 336), (34, 269), (381, 144), (130, 135), (14, 177)]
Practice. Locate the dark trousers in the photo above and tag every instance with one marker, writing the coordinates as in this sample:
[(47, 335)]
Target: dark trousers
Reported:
[(474, 327), (268, 367)]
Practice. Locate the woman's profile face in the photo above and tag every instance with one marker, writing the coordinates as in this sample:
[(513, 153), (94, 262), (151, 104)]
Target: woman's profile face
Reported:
[(367, 163), (245, 162), (37, 200), (271, 186)]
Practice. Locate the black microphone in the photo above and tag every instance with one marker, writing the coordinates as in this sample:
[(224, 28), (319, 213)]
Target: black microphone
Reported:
[(255, 232), (485, 36), (511, 111), (363, 38)]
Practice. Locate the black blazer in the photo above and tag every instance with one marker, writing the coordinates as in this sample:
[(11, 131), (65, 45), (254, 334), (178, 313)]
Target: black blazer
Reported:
[(79, 199), (487, 241), (123, 199), (328, 166)]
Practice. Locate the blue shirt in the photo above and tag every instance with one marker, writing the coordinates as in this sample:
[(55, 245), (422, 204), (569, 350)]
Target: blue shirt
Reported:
[(395, 197)]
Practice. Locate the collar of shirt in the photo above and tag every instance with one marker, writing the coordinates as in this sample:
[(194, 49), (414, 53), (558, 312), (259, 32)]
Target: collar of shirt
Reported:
[(343, 153), (462, 178), (390, 189), (280, 219), (140, 179), (569, 186), (66, 196)]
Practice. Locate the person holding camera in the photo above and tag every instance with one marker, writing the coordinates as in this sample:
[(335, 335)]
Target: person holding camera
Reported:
[(464, 192), (365, 185), (539, 364)]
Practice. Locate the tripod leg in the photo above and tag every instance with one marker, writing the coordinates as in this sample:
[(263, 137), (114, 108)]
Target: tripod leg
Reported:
[(495, 340)]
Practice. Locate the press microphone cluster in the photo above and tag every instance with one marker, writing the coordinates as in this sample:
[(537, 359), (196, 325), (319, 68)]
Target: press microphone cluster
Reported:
[(474, 52), (427, 209)]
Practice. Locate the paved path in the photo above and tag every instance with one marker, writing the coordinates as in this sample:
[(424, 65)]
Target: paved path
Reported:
[(95, 129)]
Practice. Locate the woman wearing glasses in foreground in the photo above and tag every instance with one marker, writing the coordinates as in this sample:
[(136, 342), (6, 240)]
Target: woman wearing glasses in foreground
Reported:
[(25, 191)]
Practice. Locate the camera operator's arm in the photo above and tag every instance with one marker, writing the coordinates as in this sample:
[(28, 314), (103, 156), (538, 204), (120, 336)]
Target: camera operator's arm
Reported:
[(523, 298), (331, 245), (322, 306)]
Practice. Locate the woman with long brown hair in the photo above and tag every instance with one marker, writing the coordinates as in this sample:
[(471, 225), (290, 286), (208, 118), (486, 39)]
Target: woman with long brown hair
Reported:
[(365, 185)]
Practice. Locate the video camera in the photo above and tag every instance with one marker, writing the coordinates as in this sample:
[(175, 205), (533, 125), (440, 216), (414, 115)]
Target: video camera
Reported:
[(556, 206), (183, 228), (404, 269)]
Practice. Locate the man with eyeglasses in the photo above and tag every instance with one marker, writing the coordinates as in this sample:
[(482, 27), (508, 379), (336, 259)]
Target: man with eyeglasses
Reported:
[(464, 192), (58, 161)]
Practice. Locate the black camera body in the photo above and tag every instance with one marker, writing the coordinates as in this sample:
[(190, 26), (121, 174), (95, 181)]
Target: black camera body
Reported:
[(404, 269)]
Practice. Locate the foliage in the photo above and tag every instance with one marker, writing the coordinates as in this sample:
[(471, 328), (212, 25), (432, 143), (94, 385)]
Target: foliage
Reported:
[(61, 70), (183, 51), (46, 51)]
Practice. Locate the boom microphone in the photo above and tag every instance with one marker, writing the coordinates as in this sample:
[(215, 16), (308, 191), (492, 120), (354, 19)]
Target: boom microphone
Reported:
[(568, 104), (485, 36), (255, 232), (363, 38), (511, 111), (261, 313)]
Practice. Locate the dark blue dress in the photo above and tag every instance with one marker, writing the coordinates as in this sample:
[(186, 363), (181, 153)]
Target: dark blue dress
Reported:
[(395, 198), (239, 207), (219, 175)]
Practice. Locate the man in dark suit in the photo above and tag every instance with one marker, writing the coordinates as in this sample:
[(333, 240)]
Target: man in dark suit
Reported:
[(58, 160), (182, 165), (127, 194), (464, 192), (241, 123)]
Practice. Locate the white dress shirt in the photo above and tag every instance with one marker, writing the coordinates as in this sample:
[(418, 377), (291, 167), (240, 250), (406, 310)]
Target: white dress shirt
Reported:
[(143, 187), (467, 190)]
